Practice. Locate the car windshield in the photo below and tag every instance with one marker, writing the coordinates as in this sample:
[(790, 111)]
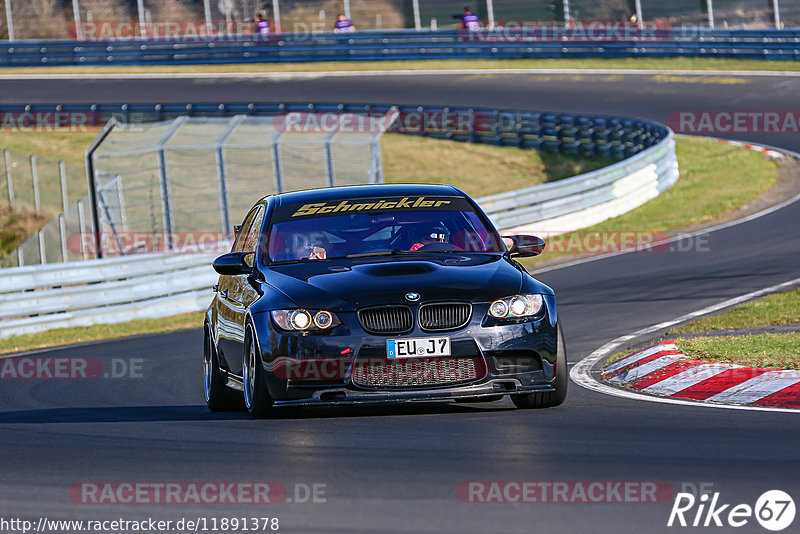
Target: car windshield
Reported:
[(376, 226)]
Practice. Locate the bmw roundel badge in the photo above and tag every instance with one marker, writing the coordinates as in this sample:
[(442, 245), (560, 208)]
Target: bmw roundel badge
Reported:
[(412, 297)]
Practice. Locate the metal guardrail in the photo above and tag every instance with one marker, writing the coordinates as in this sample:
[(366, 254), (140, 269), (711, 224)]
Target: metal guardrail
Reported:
[(412, 45), (37, 298), (588, 198)]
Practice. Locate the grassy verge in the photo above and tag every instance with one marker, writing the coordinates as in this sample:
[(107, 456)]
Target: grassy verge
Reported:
[(760, 350), (16, 226), (491, 169), (778, 308), (84, 334), (680, 63), (763, 350), (66, 146), (716, 179)]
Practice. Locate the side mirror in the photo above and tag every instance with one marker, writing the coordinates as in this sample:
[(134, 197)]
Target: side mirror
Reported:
[(233, 263), (524, 245)]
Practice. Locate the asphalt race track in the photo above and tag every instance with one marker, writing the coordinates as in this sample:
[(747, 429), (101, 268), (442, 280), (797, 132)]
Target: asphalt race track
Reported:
[(397, 469)]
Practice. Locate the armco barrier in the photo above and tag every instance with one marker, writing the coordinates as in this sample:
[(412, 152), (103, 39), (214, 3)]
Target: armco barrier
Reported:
[(41, 297), (37, 298), (589, 198), (371, 45)]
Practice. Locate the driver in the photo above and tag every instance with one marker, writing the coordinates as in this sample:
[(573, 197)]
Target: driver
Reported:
[(434, 234), (312, 246)]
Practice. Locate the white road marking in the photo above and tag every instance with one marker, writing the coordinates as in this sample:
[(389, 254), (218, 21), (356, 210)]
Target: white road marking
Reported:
[(581, 373), (636, 356), (757, 387), (646, 368), (688, 378)]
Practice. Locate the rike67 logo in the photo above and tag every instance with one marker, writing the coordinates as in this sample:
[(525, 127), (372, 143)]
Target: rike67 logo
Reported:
[(774, 510)]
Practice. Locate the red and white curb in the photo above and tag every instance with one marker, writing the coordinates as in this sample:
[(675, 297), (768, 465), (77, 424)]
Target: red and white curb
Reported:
[(663, 370)]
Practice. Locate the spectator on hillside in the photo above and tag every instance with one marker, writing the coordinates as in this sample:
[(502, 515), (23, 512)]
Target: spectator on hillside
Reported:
[(262, 24), (469, 21), (343, 25)]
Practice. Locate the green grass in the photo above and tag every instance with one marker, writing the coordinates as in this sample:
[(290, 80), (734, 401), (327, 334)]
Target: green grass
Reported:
[(491, 169), (16, 226), (682, 63), (781, 351), (779, 308), (66, 146), (715, 179), (83, 334)]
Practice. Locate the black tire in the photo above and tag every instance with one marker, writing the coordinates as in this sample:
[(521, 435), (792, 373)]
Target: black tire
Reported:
[(219, 397), (256, 397), (548, 399)]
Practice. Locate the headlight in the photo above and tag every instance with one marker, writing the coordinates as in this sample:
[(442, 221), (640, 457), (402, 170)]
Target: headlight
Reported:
[(305, 320), (516, 306)]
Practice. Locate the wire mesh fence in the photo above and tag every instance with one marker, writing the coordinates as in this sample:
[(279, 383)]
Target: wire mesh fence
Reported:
[(131, 19), (184, 180)]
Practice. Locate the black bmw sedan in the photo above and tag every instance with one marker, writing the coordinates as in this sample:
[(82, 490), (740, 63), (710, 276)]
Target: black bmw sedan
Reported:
[(378, 294)]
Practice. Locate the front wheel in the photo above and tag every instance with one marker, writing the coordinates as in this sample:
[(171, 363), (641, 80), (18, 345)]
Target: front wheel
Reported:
[(548, 399), (256, 396), (219, 397)]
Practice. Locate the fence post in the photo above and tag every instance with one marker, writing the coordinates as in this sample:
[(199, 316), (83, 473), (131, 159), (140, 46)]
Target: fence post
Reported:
[(62, 174), (490, 13), (62, 230), (776, 8), (123, 213), (90, 178), (166, 204), (417, 20), (10, 181), (82, 225), (639, 21), (222, 173), (376, 168), (9, 21), (76, 14), (276, 15), (277, 168), (42, 256), (710, 4), (329, 171), (35, 178)]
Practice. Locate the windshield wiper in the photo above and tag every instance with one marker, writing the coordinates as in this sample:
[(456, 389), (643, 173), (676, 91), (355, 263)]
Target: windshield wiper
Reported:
[(368, 254)]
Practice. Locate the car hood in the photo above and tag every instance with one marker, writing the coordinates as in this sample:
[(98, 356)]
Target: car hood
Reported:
[(349, 284)]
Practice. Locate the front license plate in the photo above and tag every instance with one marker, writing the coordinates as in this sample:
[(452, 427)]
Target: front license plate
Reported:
[(421, 347)]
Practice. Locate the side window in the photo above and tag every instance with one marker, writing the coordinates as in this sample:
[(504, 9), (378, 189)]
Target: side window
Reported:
[(251, 241), (241, 237)]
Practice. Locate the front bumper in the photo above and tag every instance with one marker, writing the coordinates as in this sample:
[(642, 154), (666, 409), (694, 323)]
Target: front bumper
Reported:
[(349, 397), (518, 358)]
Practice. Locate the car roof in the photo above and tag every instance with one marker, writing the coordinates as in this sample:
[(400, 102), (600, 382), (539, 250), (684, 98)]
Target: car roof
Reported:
[(362, 191)]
